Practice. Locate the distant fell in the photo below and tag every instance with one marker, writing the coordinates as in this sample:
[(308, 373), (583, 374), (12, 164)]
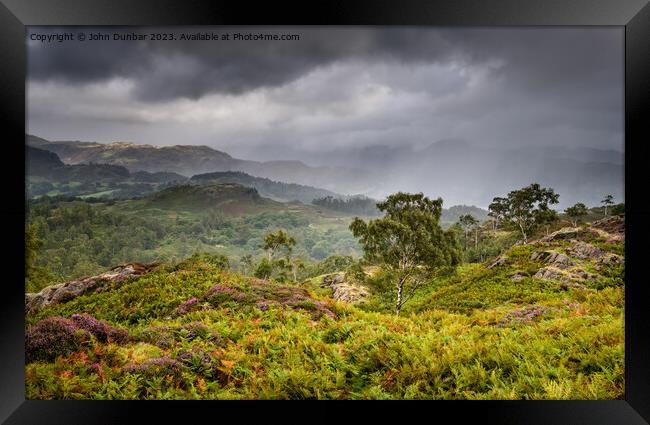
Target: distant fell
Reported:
[(190, 160), (279, 191), (229, 198)]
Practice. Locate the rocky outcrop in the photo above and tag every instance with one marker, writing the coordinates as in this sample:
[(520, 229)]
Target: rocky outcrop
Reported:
[(568, 233), (587, 251), (67, 291), (546, 273), (582, 275), (517, 276), (610, 258), (498, 262), (556, 259), (344, 291), (614, 225)]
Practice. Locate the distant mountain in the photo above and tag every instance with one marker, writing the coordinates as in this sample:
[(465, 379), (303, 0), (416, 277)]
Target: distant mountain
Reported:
[(229, 198), (48, 175), (278, 191), (457, 171), (190, 160), (452, 214), (462, 173), (159, 177), (41, 162)]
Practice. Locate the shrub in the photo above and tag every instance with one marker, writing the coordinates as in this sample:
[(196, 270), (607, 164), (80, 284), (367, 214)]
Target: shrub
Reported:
[(101, 330), (159, 367), (53, 337)]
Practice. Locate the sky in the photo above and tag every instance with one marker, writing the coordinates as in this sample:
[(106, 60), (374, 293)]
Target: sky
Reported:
[(332, 90)]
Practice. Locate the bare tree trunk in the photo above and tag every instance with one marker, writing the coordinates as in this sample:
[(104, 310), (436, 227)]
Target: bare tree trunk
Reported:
[(476, 239), (523, 233), (400, 288)]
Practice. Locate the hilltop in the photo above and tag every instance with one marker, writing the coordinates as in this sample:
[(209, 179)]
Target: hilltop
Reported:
[(228, 198), (540, 321), (278, 191)]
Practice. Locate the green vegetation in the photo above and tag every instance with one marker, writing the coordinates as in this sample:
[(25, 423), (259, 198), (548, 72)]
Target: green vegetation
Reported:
[(360, 205), (81, 238), (48, 176), (526, 209), (407, 241), (243, 303), (576, 212), (198, 331)]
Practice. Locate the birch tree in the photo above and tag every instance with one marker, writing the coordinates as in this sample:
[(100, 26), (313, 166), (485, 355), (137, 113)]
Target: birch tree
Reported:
[(528, 208), (407, 241)]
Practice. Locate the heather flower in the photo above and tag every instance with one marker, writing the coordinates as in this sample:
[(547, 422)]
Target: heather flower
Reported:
[(220, 293), (162, 366), (188, 305), (196, 330), (523, 316), (160, 336), (263, 306), (101, 330), (53, 337)]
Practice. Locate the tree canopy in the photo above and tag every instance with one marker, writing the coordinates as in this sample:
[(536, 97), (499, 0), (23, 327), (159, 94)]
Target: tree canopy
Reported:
[(407, 240), (575, 212), (527, 208)]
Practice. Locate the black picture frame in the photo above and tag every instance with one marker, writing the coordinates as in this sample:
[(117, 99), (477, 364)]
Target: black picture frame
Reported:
[(634, 15)]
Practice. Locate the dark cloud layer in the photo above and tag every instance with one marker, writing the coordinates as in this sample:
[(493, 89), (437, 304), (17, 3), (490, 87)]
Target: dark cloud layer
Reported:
[(534, 59), (336, 93)]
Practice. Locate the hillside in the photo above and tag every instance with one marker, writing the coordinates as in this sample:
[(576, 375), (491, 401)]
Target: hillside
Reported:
[(229, 198), (454, 169), (81, 237), (190, 160), (541, 321), (278, 191), (46, 174)]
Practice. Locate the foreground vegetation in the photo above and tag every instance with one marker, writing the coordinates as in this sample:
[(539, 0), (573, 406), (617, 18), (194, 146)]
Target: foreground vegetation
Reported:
[(246, 297), (195, 330)]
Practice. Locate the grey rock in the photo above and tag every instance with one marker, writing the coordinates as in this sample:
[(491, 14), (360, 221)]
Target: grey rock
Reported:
[(498, 262), (63, 292), (585, 251), (344, 291), (557, 259), (548, 274)]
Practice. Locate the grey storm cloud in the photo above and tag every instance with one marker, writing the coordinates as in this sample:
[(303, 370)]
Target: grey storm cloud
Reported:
[(371, 98), (192, 69), (534, 59), (334, 87)]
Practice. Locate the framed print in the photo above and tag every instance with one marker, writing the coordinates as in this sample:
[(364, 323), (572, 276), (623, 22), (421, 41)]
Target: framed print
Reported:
[(334, 201)]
